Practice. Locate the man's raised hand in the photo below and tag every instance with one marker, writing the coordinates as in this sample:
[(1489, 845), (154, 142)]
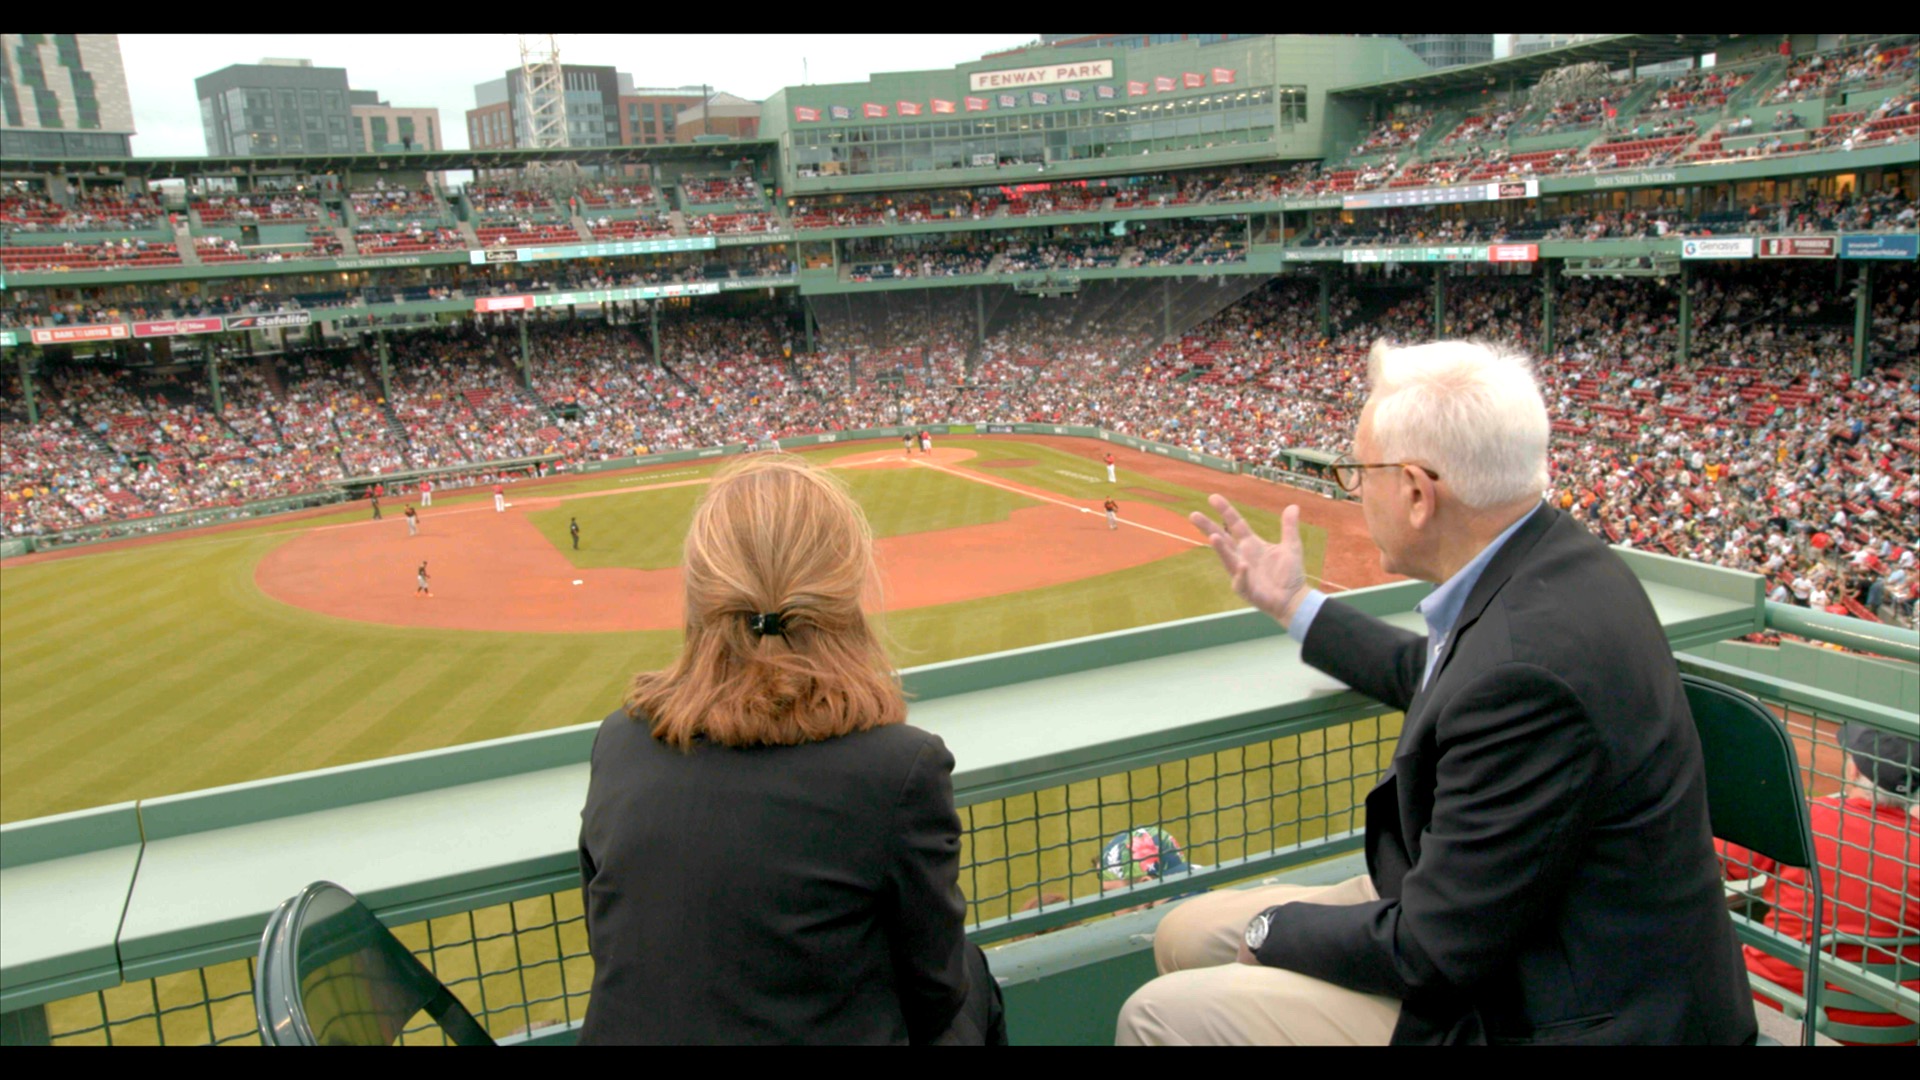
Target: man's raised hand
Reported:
[(1271, 577)]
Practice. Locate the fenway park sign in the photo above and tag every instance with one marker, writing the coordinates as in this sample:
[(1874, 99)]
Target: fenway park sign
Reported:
[(1012, 78)]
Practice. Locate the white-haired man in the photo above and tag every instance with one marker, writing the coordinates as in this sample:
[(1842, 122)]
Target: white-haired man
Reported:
[(1540, 865)]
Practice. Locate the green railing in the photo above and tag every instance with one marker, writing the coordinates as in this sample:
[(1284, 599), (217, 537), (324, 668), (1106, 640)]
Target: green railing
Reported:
[(136, 924)]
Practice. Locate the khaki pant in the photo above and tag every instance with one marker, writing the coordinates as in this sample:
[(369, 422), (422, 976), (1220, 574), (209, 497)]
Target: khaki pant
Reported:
[(1203, 997)]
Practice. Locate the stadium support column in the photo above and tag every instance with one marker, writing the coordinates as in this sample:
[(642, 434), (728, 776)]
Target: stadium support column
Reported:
[(526, 355), (386, 365), (1166, 309), (1686, 312), (1439, 300), (1862, 318), (213, 382), (1326, 300), (26, 388), (1549, 279), (653, 330)]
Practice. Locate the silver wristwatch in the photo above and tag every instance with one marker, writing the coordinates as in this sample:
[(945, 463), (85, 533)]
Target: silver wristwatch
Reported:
[(1257, 931)]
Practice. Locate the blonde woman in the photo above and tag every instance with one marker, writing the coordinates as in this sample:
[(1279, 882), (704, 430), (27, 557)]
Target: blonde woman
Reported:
[(770, 853)]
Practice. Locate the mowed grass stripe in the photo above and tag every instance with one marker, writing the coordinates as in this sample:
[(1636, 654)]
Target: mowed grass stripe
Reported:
[(60, 715), (297, 735), (134, 738), (390, 698), (110, 640), (538, 701), (1177, 587), (83, 602)]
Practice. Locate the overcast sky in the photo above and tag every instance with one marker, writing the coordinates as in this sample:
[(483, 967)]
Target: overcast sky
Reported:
[(440, 70)]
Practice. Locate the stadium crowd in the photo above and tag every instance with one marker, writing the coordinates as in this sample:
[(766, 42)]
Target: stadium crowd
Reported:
[(1759, 452)]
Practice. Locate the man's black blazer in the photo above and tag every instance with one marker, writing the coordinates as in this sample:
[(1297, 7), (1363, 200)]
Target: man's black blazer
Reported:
[(1540, 843), (781, 894)]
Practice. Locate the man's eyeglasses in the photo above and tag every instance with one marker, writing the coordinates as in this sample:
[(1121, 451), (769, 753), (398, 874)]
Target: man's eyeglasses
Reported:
[(1348, 473)]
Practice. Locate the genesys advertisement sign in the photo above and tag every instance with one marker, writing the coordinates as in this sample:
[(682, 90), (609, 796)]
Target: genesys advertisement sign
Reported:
[(1513, 253), (1797, 247), (1890, 246), (269, 322), (176, 327), (1730, 247), (503, 303), (62, 335)]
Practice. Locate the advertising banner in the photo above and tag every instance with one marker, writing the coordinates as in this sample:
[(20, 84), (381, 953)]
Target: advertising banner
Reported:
[(503, 303), (839, 112), (176, 327), (1136, 89), (615, 296), (1798, 247), (1192, 80), (1005, 78), (872, 111), (1039, 97), (907, 108), (1071, 95), (8, 339), (1009, 101), (1163, 84), (1731, 247), (940, 106), (1452, 253), (60, 335), (275, 321), (496, 256), (1514, 253), (804, 114), (1223, 76), (1889, 246), (999, 429), (976, 104), (1106, 92)]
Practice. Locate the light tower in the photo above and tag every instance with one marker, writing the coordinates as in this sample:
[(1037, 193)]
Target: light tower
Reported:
[(543, 91)]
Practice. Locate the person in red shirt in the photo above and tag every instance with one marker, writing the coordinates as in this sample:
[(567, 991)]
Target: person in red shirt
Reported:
[(499, 498), (426, 493), (1111, 479), (1867, 842)]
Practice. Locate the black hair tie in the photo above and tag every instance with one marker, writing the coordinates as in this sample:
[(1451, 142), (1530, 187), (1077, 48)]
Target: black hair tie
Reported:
[(771, 623)]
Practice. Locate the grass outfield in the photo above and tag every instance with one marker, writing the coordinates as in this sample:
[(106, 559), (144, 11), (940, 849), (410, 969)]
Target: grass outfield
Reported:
[(152, 670)]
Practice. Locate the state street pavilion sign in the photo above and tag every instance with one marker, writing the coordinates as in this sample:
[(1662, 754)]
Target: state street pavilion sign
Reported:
[(1010, 78)]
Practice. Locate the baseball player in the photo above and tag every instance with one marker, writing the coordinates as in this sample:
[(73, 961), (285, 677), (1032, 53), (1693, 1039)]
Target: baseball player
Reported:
[(413, 522), (926, 441), (499, 498), (573, 527), (375, 496), (426, 493), (1111, 478), (1113, 515), (906, 442), (420, 581)]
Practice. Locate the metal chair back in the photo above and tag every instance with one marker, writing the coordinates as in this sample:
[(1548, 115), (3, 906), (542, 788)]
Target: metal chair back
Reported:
[(330, 974)]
